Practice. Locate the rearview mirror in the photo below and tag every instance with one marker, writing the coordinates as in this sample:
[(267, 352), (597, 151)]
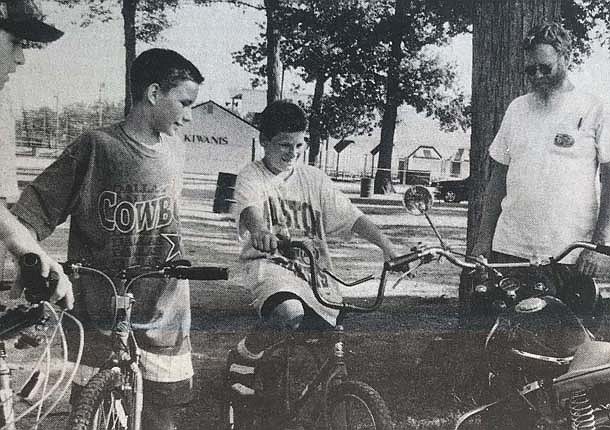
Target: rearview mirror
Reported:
[(417, 200)]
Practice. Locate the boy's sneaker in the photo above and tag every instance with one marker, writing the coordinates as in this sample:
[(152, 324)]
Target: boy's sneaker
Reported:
[(241, 366)]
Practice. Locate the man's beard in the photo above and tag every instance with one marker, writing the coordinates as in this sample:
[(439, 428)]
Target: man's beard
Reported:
[(550, 84)]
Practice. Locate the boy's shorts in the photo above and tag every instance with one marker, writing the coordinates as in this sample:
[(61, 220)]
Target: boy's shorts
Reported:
[(265, 279)]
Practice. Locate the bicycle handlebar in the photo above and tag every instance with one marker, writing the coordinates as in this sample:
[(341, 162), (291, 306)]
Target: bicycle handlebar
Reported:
[(201, 273), (284, 247)]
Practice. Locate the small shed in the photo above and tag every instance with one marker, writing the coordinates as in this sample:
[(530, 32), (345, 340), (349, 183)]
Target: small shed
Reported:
[(422, 163), (218, 140)]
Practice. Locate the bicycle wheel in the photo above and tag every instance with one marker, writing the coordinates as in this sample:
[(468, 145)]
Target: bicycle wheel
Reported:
[(355, 405), (109, 404)]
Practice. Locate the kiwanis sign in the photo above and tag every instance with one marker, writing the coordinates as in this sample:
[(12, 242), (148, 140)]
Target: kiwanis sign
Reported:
[(199, 138)]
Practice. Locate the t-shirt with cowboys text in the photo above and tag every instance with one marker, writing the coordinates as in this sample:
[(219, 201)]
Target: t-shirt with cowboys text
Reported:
[(122, 198)]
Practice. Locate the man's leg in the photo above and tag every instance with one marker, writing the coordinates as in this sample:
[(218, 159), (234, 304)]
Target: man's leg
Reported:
[(162, 401)]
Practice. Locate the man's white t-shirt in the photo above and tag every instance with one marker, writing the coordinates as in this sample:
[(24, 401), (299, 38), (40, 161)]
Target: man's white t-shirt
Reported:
[(552, 184)]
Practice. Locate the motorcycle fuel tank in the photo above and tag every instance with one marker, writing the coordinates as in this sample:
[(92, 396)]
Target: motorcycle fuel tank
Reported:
[(538, 332)]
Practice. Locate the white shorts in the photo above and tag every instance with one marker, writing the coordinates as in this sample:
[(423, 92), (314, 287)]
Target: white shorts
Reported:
[(265, 278)]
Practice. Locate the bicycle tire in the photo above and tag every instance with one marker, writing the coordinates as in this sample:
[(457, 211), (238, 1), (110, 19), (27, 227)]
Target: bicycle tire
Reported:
[(355, 405), (104, 405)]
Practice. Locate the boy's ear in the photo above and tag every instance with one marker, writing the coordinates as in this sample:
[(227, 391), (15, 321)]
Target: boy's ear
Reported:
[(152, 93)]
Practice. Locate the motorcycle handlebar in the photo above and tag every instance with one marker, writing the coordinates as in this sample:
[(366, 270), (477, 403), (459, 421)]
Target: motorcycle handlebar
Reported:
[(420, 254)]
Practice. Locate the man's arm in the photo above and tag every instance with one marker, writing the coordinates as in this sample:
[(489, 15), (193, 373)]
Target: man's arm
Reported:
[(365, 228), (495, 191), (19, 241), (590, 262)]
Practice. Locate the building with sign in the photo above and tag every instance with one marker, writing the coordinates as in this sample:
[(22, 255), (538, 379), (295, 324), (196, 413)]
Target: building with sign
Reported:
[(218, 140)]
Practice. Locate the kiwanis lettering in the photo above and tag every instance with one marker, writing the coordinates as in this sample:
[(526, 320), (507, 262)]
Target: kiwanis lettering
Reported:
[(126, 216), (198, 138)]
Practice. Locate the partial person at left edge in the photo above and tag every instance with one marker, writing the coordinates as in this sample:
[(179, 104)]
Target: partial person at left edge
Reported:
[(21, 20)]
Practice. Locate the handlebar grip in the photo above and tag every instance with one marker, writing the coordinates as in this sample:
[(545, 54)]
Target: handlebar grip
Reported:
[(201, 273), (603, 249), (36, 288), (398, 262)]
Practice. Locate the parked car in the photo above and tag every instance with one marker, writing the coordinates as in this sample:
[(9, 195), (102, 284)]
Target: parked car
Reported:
[(452, 190)]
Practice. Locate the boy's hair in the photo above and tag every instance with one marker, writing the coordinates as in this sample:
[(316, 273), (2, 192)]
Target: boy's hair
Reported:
[(162, 66), (549, 33), (281, 116)]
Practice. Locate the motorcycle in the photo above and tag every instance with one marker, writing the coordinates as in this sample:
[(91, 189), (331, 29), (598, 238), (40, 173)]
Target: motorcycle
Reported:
[(545, 367)]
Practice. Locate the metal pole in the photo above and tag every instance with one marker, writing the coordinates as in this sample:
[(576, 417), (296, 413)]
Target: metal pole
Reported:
[(56, 121)]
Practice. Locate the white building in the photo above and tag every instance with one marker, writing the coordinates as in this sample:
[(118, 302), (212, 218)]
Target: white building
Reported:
[(218, 140)]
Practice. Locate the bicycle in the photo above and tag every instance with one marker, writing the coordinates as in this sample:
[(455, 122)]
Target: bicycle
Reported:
[(37, 324), (113, 398), (308, 393)]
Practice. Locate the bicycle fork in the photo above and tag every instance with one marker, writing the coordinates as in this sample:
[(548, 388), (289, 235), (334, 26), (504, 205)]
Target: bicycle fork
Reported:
[(333, 371), (124, 304), (7, 419)]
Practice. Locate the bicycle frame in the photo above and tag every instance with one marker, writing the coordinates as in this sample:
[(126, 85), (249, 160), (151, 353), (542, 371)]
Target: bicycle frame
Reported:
[(125, 359), (333, 370)]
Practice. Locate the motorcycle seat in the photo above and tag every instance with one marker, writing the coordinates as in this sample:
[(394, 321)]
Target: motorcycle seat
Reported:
[(590, 367)]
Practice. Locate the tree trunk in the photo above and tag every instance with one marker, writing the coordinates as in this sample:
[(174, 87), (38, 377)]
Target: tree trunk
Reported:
[(314, 119), (274, 73), (129, 29), (497, 78), (383, 177)]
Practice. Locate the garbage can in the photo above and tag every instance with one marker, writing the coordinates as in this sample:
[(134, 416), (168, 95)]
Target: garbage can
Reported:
[(225, 189), (366, 187)]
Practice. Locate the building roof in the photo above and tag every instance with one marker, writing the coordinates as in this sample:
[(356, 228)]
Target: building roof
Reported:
[(426, 147), (226, 110)]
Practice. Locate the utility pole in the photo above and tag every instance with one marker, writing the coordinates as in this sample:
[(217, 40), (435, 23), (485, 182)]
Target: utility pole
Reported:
[(56, 121), (100, 105)]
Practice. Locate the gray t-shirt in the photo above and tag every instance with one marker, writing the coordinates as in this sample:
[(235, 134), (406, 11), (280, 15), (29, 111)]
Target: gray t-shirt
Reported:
[(122, 197)]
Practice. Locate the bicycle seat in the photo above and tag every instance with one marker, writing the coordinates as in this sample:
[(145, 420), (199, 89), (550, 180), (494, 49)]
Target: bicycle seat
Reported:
[(590, 367)]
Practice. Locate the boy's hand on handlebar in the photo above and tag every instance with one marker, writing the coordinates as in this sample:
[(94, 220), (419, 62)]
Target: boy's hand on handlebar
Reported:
[(264, 241), (58, 282)]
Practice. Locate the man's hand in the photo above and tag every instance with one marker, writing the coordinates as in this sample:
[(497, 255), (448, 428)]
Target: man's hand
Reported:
[(263, 240), (590, 262), (481, 250), (49, 268)]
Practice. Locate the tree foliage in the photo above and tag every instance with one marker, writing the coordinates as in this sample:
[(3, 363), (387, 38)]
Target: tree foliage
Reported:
[(343, 48), (142, 20)]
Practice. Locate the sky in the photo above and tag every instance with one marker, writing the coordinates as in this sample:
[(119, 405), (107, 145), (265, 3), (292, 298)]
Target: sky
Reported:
[(74, 67), (87, 63)]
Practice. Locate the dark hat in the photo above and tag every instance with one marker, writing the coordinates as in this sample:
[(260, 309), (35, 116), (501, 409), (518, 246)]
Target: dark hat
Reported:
[(24, 19)]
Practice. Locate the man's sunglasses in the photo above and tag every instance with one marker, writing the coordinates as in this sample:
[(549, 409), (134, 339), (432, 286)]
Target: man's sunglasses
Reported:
[(545, 69)]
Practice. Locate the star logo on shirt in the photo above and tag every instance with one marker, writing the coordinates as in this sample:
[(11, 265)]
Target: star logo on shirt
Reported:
[(174, 241)]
